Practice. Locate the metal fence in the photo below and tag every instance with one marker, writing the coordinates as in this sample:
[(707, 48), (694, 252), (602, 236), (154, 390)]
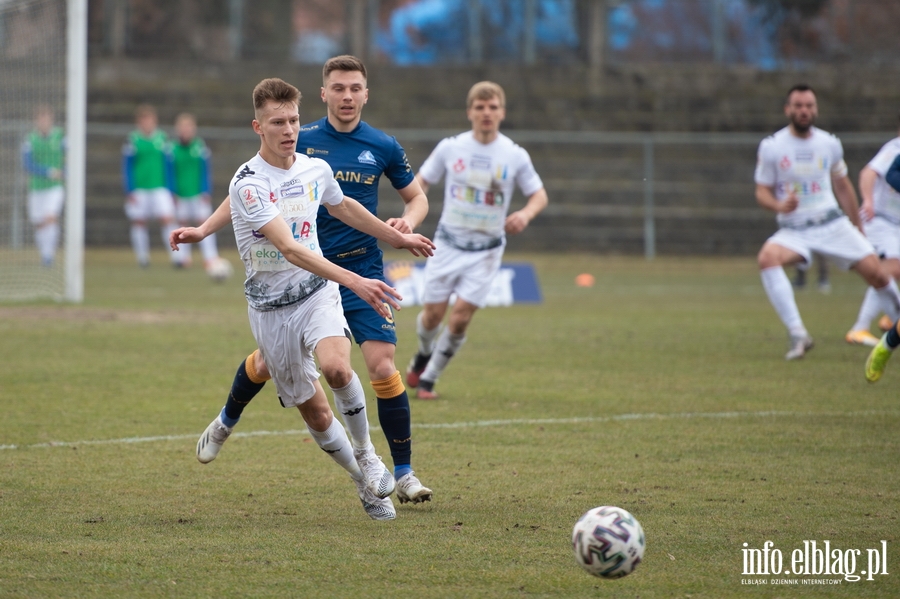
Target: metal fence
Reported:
[(650, 193)]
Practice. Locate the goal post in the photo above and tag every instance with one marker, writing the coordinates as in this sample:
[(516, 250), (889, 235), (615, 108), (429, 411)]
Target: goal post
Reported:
[(43, 96), (76, 135)]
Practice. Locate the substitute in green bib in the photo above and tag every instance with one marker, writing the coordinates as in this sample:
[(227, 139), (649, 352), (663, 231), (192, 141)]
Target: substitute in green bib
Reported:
[(43, 156), (192, 177), (147, 177)]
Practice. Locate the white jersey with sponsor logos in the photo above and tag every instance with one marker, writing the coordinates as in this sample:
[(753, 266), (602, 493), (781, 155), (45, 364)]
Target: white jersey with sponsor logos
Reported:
[(805, 166), (887, 200), (480, 180), (259, 193)]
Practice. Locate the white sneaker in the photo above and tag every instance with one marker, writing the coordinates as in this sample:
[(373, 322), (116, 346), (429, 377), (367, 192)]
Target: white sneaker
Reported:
[(409, 489), (211, 440), (379, 478), (799, 346), (378, 508)]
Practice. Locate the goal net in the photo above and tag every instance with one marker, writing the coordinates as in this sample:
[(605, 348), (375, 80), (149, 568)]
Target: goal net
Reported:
[(42, 149)]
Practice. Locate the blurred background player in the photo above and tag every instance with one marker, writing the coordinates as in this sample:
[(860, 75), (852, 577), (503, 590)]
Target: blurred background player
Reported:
[(881, 222), (358, 155), (823, 283), (882, 351), (802, 177), (147, 177), (43, 156), (481, 168), (192, 184)]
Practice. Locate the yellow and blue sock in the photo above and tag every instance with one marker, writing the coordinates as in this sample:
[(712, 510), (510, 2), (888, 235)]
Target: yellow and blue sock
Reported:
[(394, 417), (247, 383)]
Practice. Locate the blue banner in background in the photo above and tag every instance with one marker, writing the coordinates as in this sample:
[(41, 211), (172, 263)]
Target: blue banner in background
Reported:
[(515, 283)]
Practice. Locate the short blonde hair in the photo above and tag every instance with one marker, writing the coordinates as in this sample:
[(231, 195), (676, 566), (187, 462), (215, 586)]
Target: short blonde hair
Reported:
[(277, 90), (485, 90)]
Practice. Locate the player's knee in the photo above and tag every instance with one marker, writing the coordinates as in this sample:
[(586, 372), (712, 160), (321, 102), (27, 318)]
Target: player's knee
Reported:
[(337, 374), (765, 259), (317, 417)]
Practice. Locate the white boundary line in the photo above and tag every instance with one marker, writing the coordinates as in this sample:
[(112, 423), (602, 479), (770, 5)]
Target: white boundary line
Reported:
[(487, 423)]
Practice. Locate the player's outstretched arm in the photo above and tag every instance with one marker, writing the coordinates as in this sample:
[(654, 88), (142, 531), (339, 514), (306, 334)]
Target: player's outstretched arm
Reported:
[(355, 214), (414, 211), (377, 294), (217, 221), (518, 220)]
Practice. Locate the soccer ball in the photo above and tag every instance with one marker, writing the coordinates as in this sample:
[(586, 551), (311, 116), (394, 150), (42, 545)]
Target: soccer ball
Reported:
[(219, 270), (608, 542)]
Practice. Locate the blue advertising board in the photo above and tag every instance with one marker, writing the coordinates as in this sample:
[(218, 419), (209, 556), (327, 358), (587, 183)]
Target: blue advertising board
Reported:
[(515, 283)]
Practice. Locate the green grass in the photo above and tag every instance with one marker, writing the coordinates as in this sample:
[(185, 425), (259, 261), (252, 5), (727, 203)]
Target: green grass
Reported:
[(661, 389)]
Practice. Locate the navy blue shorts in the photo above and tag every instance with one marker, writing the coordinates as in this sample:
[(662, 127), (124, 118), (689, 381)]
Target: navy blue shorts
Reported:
[(365, 323)]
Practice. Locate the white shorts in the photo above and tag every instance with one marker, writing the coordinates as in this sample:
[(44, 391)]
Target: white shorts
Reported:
[(837, 240), (193, 210), (144, 204), (287, 339), (467, 274), (885, 236), (45, 203)]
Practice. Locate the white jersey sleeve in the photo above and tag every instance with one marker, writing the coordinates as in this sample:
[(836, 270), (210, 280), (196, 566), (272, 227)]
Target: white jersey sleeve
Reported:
[(250, 201), (527, 179), (433, 169), (331, 193), (885, 157), (766, 169), (838, 166)]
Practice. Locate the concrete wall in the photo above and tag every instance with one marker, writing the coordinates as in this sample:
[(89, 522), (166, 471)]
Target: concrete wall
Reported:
[(703, 191)]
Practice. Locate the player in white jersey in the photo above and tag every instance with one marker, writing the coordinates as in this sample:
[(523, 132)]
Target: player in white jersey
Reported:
[(481, 168), (802, 177), (881, 222), (294, 304)]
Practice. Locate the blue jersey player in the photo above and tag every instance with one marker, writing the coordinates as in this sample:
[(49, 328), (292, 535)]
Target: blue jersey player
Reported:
[(358, 155)]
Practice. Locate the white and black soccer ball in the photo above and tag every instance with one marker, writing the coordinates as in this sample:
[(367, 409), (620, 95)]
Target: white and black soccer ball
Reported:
[(608, 542), (219, 270)]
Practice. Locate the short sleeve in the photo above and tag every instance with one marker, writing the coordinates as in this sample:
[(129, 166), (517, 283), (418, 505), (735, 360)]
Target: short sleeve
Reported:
[(527, 179), (332, 193), (249, 201), (882, 161), (838, 166), (398, 171), (433, 168), (765, 165)]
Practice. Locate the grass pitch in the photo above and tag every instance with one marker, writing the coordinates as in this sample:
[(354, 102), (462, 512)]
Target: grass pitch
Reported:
[(661, 389)]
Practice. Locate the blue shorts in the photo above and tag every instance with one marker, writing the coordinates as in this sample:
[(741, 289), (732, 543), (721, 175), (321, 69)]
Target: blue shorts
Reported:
[(365, 323)]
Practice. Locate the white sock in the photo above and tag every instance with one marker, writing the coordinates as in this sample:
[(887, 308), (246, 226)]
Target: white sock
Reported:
[(140, 243), (43, 241), (208, 248), (52, 238), (781, 295), (164, 232), (447, 346), (335, 442), (426, 336), (889, 297), (868, 310), (350, 401)]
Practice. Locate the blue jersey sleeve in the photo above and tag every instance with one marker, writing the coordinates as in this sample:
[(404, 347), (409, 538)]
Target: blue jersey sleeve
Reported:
[(892, 176), (398, 170), (128, 170)]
